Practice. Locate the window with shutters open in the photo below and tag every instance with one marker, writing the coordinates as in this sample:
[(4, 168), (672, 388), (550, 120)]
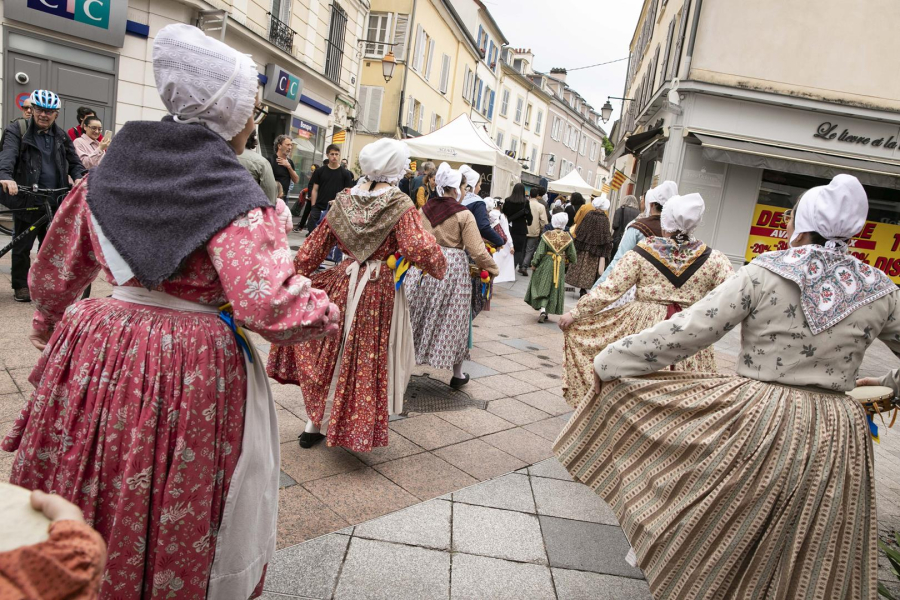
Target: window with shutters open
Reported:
[(504, 102), (527, 116), (490, 108), (445, 74), (519, 106), (682, 30), (467, 85), (499, 139), (429, 60), (379, 30), (401, 27), (419, 50), (410, 111), (421, 109), (668, 53), (539, 123)]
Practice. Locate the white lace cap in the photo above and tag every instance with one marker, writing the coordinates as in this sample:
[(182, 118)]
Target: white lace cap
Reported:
[(200, 79), (559, 220), (682, 213), (836, 211), (600, 203), (447, 178), (470, 175), (660, 195), (384, 160)]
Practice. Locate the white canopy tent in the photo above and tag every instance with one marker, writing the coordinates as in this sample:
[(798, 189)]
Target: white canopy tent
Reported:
[(462, 142), (570, 184)]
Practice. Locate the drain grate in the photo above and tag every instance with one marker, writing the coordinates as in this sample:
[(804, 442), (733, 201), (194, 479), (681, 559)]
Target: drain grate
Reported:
[(427, 395)]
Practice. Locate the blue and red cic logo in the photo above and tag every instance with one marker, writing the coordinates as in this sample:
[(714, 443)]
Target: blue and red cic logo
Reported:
[(89, 12), (288, 85)]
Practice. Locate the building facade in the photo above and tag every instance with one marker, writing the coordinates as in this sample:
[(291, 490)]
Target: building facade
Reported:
[(519, 124), (574, 139), (718, 110), (436, 60), (306, 54)]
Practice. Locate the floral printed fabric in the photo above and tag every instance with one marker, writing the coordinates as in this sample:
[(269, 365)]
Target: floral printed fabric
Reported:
[(832, 282), (359, 415), (138, 412)]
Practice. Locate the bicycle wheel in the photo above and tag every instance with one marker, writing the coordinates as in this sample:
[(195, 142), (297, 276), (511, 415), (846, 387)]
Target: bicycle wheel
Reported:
[(5, 230)]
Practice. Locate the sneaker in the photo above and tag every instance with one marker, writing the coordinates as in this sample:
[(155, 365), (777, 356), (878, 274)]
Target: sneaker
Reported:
[(542, 317), (22, 295)]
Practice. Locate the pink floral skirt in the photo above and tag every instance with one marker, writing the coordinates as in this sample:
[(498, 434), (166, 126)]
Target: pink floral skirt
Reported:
[(137, 417)]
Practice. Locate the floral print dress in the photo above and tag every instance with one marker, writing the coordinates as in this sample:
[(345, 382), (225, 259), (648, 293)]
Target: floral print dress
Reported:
[(137, 413), (595, 328)]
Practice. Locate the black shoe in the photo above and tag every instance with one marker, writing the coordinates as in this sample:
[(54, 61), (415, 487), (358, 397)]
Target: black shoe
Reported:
[(543, 317), (308, 440), (22, 295), (457, 382)]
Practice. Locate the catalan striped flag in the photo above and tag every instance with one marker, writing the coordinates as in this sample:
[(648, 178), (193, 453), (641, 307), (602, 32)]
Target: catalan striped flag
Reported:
[(605, 189), (340, 137), (618, 179)]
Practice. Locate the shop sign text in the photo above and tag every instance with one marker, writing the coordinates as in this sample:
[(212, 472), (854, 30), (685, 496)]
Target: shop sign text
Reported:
[(832, 131)]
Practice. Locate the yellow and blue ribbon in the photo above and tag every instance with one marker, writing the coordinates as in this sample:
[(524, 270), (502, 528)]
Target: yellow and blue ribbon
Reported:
[(227, 316), (400, 266), (873, 430)]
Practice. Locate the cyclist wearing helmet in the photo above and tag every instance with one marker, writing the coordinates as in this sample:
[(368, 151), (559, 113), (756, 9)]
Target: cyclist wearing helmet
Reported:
[(45, 156)]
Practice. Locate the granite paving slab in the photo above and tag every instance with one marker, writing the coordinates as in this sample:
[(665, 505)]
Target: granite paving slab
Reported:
[(497, 533), (550, 468), (309, 569), (587, 547), (482, 578), (426, 524), (572, 585), (510, 492), (570, 500), (376, 570)]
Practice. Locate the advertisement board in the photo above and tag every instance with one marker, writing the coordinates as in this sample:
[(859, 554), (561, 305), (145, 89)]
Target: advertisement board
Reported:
[(878, 244), (100, 21)]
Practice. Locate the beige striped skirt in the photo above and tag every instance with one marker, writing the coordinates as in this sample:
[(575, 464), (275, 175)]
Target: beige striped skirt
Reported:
[(729, 487)]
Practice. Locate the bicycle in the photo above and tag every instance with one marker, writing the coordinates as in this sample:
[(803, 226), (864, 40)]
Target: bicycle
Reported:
[(47, 196)]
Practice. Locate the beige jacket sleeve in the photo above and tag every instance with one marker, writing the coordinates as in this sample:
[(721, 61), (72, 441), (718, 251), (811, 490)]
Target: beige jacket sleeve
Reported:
[(474, 244)]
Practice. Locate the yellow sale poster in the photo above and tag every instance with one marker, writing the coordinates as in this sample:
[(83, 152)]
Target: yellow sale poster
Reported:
[(878, 244)]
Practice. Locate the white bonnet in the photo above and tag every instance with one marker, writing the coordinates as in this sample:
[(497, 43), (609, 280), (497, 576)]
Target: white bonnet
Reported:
[(384, 160), (836, 211), (200, 79), (470, 175), (682, 213), (447, 178), (660, 194), (559, 220), (600, 203), (490, 203)]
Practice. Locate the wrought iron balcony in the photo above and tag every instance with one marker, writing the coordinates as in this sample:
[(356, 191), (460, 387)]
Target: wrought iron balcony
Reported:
[(280, 34)]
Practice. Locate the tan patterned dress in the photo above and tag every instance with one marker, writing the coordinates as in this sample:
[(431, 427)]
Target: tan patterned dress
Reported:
[(750, 486), (666, 273)]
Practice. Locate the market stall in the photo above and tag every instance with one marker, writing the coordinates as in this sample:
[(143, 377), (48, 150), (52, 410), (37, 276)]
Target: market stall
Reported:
[(462, 142), (572, 183)]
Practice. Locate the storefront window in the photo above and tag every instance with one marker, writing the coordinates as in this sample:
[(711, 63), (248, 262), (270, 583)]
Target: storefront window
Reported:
[(309, 147), (878, 244)]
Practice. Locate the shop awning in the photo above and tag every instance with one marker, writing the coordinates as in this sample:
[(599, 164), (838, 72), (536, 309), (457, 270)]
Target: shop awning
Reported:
[(801, 162), (639, 142)]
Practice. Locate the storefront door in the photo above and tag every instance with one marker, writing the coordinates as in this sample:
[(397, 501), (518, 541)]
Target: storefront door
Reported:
[(83, 78)]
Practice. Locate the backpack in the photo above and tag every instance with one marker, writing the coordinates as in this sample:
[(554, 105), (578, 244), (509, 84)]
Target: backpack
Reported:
[(14, 202), (23, 127)]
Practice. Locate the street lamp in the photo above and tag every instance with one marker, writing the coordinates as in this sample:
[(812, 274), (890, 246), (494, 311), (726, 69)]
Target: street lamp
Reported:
[(387, 65), (606, 111)]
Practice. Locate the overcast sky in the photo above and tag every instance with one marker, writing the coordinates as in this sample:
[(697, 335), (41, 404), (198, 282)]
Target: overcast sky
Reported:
[(574, 33)]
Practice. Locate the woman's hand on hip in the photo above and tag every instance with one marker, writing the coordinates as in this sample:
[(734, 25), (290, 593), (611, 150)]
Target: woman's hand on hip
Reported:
[(39, 339), (566, 320)]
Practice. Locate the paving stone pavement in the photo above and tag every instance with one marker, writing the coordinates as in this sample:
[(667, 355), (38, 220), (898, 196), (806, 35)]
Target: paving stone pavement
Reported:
[(474, 467)]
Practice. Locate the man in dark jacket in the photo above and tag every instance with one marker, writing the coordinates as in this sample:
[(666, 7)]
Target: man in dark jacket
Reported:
[(44, 156)]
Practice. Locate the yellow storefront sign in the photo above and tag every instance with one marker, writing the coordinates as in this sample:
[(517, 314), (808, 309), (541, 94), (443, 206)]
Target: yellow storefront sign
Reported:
[(878, 244)]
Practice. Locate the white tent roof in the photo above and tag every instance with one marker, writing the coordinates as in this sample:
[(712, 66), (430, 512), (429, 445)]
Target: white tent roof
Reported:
[(571, 183), (460, 141)]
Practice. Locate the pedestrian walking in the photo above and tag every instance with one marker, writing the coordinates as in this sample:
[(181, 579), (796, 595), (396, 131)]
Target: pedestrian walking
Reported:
[(89, 148), (357, 379), (574, 204), (471, 186), (518, 213), (624, 215), (593, 242), (406, 182), (43, 156), (168, 438), (326, 183), (283, 169), (547, 289), (539, 218), (670, 272), (504, 255), (759, 483), (418, 181), (441, 309), (260, 169)]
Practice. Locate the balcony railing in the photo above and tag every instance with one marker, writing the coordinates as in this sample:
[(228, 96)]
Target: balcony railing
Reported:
[(280, 34)]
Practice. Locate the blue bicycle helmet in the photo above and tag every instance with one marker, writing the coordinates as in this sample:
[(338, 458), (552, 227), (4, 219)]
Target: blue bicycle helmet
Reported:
[(45, 99)]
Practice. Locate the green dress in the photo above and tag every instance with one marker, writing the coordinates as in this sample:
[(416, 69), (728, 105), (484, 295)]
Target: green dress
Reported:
[(548, 283)]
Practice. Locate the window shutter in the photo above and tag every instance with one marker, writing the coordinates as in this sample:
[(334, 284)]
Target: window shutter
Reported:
[(373, 109), (676, 60), (433, 121), (665, 68), (500, 139), (445, 73), (490, 111), (421, 118), (410, 111), (480, 35), (430, 59), (540, 122), (400, 29), (533, 159), (362, 106), (653, 85), (419, 51)]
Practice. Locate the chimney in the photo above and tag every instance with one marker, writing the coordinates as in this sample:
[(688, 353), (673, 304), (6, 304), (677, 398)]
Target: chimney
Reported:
[(558, 73)]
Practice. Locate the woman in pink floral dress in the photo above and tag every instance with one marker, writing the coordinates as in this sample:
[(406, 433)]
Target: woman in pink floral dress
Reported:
[(148, 411)]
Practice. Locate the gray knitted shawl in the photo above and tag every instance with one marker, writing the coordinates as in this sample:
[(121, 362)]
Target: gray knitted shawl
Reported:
[(163, 190)]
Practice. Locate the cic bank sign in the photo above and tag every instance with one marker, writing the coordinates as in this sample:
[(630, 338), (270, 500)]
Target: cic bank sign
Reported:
[(283, 88), (100, 21)]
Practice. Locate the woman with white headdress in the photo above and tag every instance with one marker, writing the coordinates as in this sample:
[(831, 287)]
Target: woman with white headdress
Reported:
[(547, 288), (471, 186), (669, 273), (593, 242), (366, 369), (151, 409), (760, 484), (440, 310), (504, 255)]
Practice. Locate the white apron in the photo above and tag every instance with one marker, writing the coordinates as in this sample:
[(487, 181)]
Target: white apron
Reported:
[(246, 536), (401, 352)]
